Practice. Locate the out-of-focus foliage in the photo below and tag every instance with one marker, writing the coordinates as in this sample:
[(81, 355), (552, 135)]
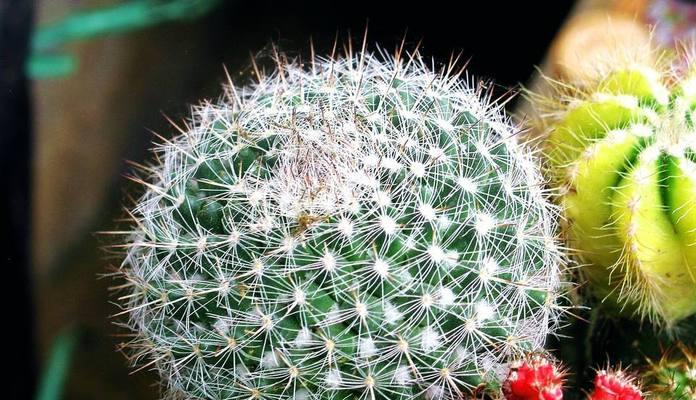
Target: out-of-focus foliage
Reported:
[(47, 61)]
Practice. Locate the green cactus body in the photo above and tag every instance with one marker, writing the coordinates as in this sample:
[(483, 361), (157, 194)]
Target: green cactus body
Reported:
[(362, 228), (622, 156), (674, 377)]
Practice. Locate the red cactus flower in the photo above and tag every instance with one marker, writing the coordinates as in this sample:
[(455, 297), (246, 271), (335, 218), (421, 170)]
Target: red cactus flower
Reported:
[(534, 378), (615, 385)]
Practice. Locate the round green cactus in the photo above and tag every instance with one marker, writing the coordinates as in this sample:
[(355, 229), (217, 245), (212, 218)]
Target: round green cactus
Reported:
[(622, 154), (674, 376), (359, 227)]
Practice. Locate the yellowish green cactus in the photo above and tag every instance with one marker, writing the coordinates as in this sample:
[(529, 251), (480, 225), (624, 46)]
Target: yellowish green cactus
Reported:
[(622, 156)]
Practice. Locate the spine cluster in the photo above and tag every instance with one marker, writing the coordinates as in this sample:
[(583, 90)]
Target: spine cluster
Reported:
[(534, 378), (615, 385), (674, 375)]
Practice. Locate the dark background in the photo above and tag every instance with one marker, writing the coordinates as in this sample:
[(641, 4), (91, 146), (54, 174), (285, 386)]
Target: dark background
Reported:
[(98, 117)]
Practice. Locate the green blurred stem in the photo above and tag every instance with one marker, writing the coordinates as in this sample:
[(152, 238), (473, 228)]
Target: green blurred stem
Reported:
[(57, 367), (44, 66), (120, 18)]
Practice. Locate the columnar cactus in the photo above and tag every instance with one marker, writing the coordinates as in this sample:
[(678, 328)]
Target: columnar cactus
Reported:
[(359, 227), (622, 154)]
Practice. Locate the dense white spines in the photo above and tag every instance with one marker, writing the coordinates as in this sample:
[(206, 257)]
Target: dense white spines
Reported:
[(364, 228)]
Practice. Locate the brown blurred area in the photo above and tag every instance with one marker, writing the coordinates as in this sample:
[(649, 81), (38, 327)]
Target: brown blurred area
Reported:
[(86, 126)]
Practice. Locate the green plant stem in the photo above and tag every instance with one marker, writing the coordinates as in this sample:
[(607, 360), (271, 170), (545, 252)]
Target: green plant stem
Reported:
[(57, 367), (120, 18)]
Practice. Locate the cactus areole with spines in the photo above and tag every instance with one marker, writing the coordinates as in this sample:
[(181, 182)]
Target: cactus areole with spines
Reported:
[(358, 227), (673, 377), (622, 153)]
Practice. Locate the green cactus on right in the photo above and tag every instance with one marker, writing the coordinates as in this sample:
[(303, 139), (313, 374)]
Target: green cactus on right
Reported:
[(621, 153), (674, 376)]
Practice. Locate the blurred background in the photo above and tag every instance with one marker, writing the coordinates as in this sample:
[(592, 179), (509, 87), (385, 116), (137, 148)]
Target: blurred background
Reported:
[(84, 83)]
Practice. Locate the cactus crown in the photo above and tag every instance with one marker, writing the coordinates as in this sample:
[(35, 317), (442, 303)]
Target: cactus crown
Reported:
[(621, 153), (615, 384), (359, 227), (535, 377)]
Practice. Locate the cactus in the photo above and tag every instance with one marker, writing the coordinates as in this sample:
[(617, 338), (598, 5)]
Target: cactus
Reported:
[(673, 377), (615, 384), (534, 378), (621, 155), (353, 227)]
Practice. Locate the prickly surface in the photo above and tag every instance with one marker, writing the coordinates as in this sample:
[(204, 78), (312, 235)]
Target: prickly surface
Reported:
[(354, 228), (674, 376), (534, 378), (622, 157), (615, 385)]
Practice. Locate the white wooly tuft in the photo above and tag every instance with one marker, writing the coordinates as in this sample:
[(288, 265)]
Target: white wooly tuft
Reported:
[(359, 227)]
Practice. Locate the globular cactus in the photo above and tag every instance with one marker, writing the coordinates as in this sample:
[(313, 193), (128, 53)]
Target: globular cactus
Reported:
[(353, 227), (534, 377), (621, 153), (615, 384), (673, 377)]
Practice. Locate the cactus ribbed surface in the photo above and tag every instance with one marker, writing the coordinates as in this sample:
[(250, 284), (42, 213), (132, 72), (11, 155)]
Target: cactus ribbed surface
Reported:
[(359, 227), (622, 154)]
